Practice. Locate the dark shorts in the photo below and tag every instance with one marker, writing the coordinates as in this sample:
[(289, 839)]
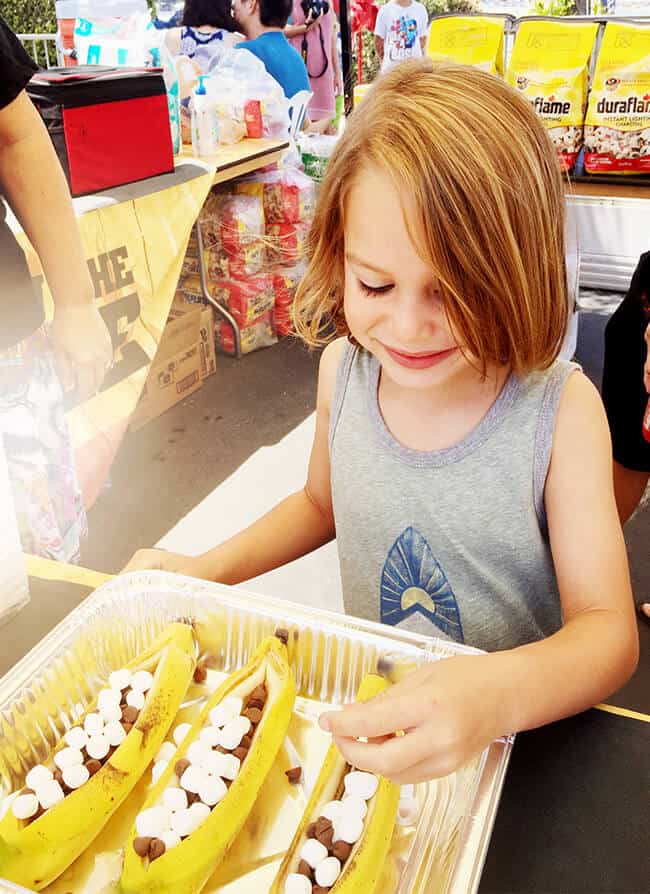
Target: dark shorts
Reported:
[(623, 392)]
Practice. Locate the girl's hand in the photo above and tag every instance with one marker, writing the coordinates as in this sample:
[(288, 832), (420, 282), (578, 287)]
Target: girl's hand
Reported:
[(646, 368), (449, 711), (82, 347), (161, 560)]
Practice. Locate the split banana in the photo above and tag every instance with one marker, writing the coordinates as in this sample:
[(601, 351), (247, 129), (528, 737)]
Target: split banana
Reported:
[(344, 837), (67, 801), (201, 800)]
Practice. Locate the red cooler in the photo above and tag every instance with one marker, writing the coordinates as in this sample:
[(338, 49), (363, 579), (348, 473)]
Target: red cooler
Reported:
[(109, 126)]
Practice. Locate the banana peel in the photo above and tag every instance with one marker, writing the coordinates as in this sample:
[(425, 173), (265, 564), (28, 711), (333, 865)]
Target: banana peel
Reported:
[(186, 868), (34, 854), (363, 869)]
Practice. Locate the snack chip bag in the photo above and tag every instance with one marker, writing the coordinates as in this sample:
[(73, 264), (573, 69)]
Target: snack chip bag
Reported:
[(246, 299), (285, 283), (259, 334), (550, 67), (471, 40), (617, 126)]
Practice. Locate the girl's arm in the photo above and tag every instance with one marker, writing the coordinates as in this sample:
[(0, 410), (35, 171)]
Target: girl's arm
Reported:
[(453, 709), (336, 65), (298, 525)]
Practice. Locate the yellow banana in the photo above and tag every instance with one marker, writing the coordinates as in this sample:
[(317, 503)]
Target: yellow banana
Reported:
[(361, 869), (185, 867), (33, 853)]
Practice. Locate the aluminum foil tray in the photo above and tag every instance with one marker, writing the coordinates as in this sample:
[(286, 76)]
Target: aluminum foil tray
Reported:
[(42, 696)]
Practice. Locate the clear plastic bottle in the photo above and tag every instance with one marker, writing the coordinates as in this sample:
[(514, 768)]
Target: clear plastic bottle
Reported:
[(205, 126), (14, 589)]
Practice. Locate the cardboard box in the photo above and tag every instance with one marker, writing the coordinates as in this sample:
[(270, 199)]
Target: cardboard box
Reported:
[(175, 371), (207, 349)]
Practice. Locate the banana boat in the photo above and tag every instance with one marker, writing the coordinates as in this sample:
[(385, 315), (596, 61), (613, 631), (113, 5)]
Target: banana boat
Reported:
[(344, 836), (67, 801), (205, 788)]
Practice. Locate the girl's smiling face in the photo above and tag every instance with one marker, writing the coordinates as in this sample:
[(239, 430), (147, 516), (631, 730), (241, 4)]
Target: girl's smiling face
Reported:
[(391, 304)]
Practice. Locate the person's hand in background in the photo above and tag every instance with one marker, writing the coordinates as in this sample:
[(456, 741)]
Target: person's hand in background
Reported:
[(82, 348)]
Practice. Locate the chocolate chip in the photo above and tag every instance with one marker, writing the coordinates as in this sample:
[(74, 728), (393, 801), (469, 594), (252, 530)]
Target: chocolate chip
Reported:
[(305, 869), (282, 634), (341, 850), (127, 727), (141, 845), (311, 830), (129, 714), (259, 693), (221, 749), (192, 798), (240, 752), (324, 831), (254, 715), (28, 791), (156, 848), (93, 766), (255, 703), (246, 742), (200, 674), (181, 766), (318, 889), (58, 777), (294, 775), (227, 782)]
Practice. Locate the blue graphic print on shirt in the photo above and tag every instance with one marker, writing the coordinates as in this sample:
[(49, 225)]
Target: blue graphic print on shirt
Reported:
[(404, 33), (413, 581)]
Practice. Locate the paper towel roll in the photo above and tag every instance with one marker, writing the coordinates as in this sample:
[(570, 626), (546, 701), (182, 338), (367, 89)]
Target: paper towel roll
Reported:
[(14, 589)]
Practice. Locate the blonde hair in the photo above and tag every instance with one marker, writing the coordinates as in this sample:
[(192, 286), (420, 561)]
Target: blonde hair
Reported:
[(483, 176)]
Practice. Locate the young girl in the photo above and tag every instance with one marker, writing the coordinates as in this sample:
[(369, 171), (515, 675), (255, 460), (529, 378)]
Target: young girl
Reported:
[(465, 473)]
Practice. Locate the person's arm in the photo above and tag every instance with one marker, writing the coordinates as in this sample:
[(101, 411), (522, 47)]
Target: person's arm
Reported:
[(298, 30), (455, 708), (336, 64), (298, 525), (379, 47), (380, 33), (32, 180)]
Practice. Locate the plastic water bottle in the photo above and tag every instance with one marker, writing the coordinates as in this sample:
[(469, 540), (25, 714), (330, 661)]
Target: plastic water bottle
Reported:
[(14, 589), (205, 126)]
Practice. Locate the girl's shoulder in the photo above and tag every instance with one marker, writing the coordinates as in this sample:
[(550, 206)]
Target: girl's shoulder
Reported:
[(331, 361)]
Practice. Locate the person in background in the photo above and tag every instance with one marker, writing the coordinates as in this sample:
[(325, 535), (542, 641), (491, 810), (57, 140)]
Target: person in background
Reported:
[(463, 469), (312, 31), (400, 32), (51, 518), (625, 389), (207, 30), (263, 23)]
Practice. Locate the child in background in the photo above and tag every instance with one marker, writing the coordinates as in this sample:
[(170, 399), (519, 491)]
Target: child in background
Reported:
[(400, 32), (465, 471)]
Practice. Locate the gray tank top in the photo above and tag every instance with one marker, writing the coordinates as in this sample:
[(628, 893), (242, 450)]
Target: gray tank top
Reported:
[(452, 542)]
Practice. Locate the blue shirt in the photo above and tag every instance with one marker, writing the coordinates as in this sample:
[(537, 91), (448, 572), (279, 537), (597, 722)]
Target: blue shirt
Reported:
[(281, 60)]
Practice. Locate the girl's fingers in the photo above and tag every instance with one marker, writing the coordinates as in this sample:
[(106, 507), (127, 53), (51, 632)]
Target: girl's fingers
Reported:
[(392, 757), (377, 717)]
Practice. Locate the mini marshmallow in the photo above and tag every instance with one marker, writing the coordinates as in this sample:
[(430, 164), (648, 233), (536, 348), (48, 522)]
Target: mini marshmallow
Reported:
[(74, 777), (313, 852), (210, 735), (158, 769), (352, 804), (175, 799), (226, 711), (49, 794), (297, 884), (37, 776), (108, 697), (199, 813), (68, 757), (407, 811), (166, 751), (111, 714), (182, 822), (142, 681), (327, 872), (120, 679), (98, 747), (198, 752), (229, 766), (332, 810), (93, 724), (233, 732), (192, 779), (364, 785), (25, 806), (76, 737), (212, 790), (348, 828), (153, 823), (170, 839), (135, 699), (180, 732), (214, 764), (115, 733)]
